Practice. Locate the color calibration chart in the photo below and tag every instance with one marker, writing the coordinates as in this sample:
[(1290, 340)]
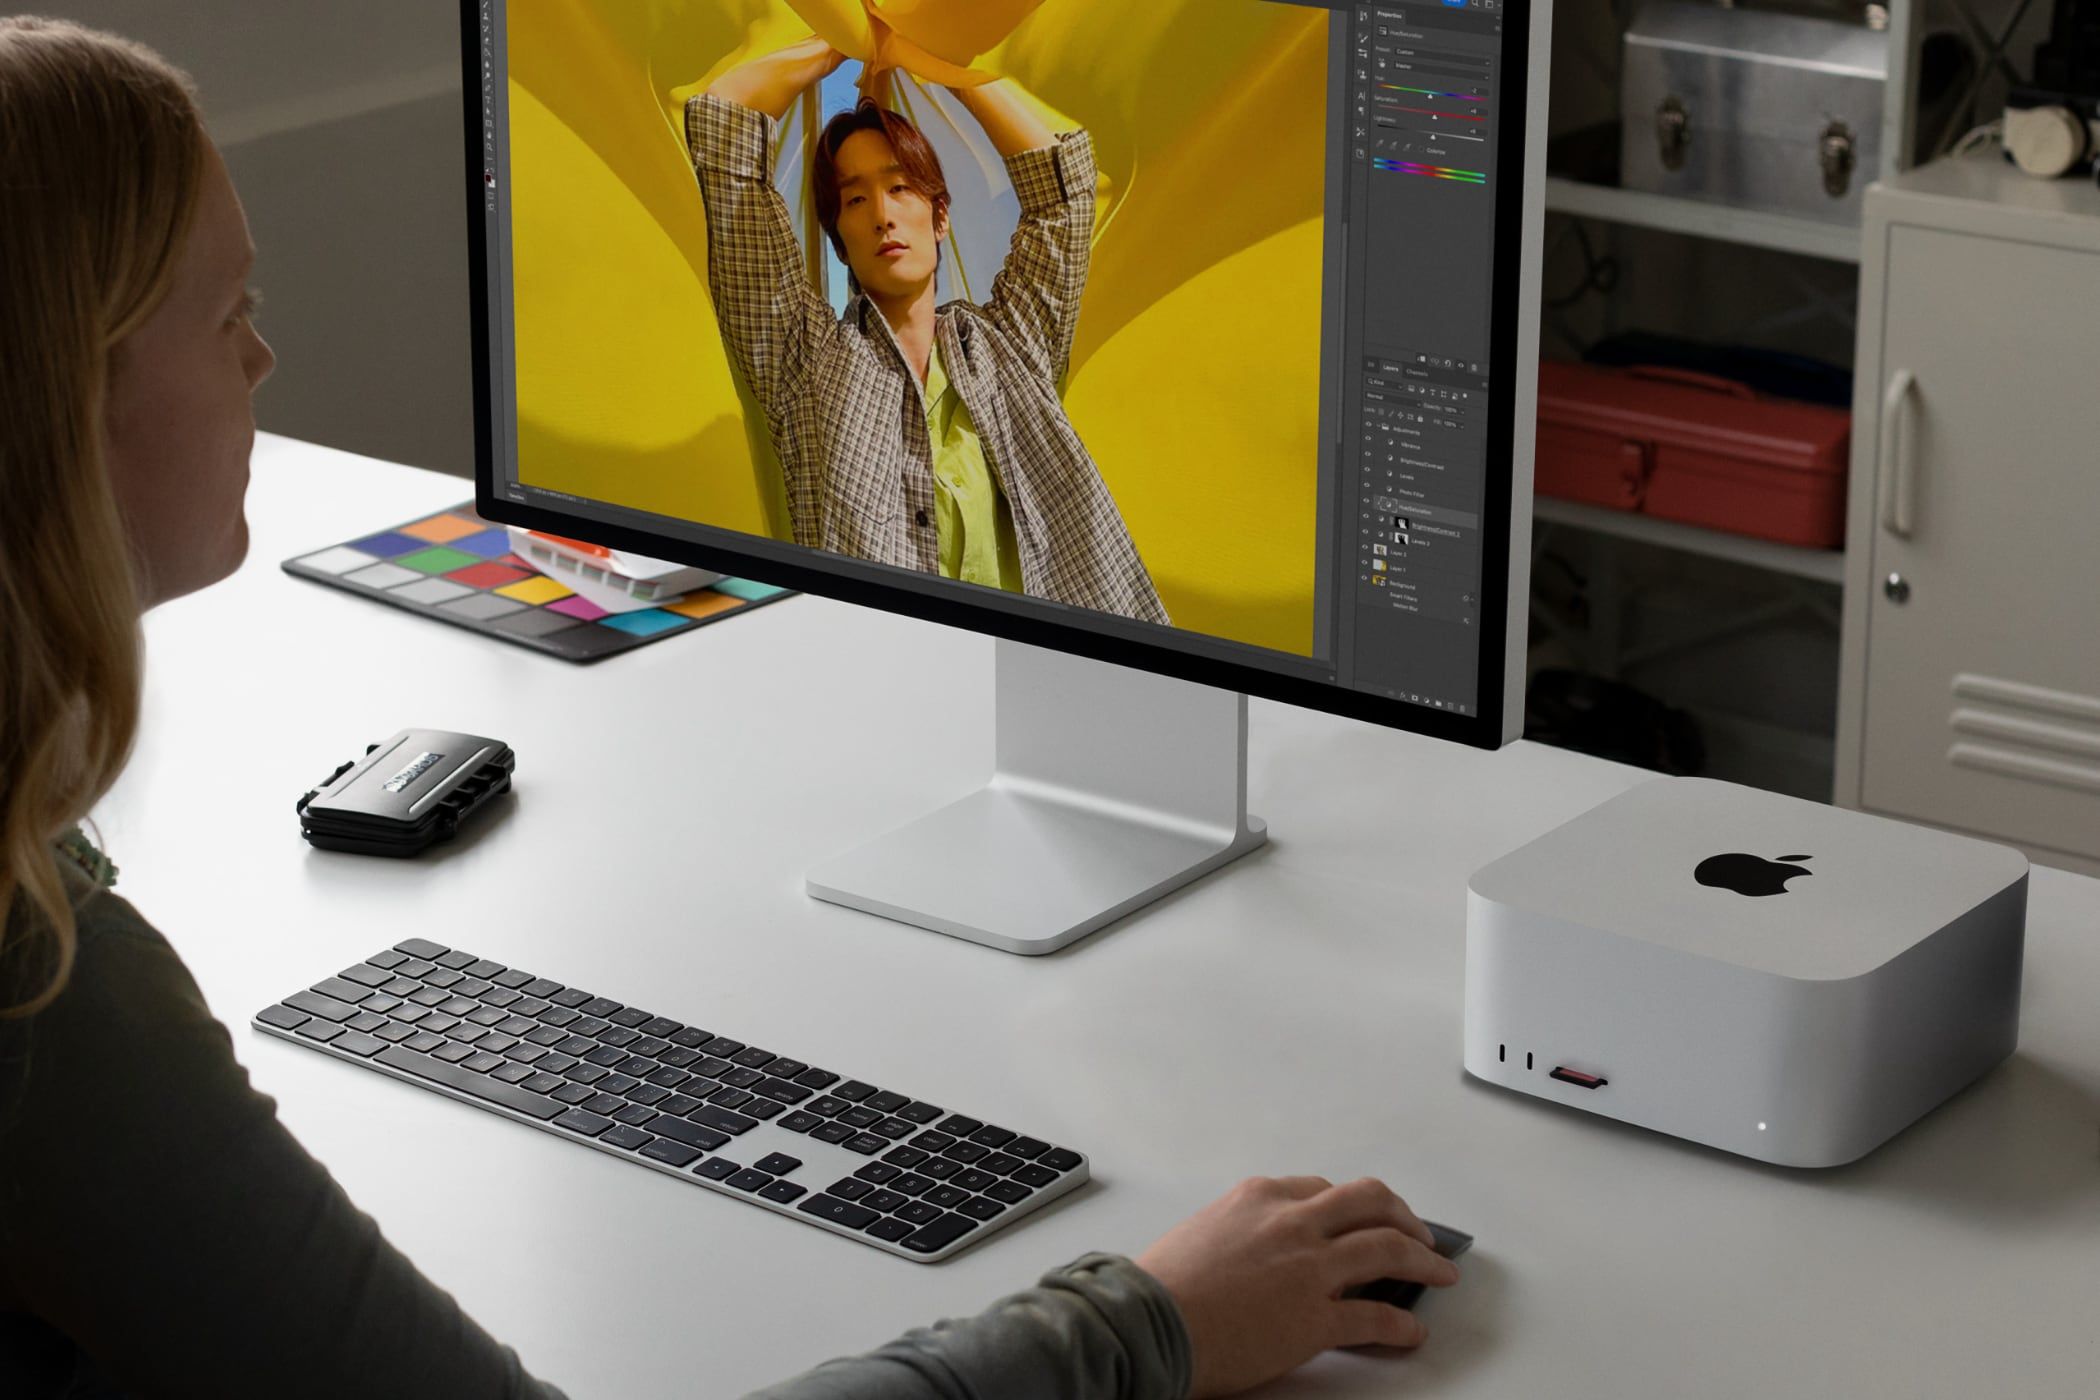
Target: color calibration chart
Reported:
[(457, 568)]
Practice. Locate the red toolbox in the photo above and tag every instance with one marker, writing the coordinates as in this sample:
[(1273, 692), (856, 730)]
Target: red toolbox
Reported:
[(1694, 448)]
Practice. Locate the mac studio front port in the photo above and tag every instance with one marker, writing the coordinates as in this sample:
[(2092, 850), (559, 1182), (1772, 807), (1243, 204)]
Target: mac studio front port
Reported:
[(1580, 1078)]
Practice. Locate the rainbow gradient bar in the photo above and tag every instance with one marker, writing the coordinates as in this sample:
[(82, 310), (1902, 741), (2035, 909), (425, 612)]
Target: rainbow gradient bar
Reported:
[(1432, 92), (1434, 172)]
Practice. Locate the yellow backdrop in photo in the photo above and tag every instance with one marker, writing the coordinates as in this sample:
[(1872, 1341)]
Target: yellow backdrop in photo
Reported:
[(1194, 382)]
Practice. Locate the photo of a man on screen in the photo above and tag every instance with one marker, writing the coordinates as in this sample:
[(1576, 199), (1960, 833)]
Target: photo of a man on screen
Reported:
[(912, 433)]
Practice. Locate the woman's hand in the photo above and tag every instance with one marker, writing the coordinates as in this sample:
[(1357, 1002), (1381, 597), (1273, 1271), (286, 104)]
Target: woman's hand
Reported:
[(772, 82), (1259, 1274)]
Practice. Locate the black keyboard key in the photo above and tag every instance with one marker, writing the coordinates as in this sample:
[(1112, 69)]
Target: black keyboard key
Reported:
[(853, 1089), (424, 1041), (750, 1179), (492, 1015), (966, 1152), (1000, 1164), (327, 1008), (778, 1163), (713, 1117), (665, 1150), (893, 1127), (611, 1034), (471, 986), (591, 1074), (651, 1094), (884, 1201), (940, 1168), (932, 1140), (482, 967), (421, 948), (541, 1081), (887, 1101), (1011, 1192), (513, 979), (928, 1239), (282, 1017), (387, 957), (866, 1144), (605, 1055), (393, 1032), (573, 1093), (511, 1072), (635, 1114), (824, 1105), (358, 1043), (443, 977), (452, 1052), (904, 1156), (323, 1031), (599, 1006), (640, 1066), (849, 1189), (612, 1083), (763, 1108), (845, 1213), (415, 967), (979, 1208), (692, 1134), (1027, 1148), (607, 1104), (989, 1136), (1057, 1159), (912, 1184), (381, 1002), (946, 1196), (546, 1035), (960, 1126), (785, 1068), (630, 1016), (723, 1045), (800, 1122), (918, 1212), (691, 1037), (425, 996), (921, 1113), (741, 1078), (784, 1090), (626, 1135), (891, 1230), (860, 1117), (717, 1169), (649, 1045), (467, 1082), (367, 975), (570, 999), (680, 1104), (583, 1121), (1033, 1175), (455, 959), (816, 1079), (785, 1192), (831, 1132), (729, 1098), (751, 1057), (668, 1077), (972, 1180), (662, 1026), (708, 1066), (881, 1173), (677, 1057)]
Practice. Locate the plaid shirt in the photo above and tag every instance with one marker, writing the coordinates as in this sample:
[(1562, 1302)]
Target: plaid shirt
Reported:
[(847, 414)]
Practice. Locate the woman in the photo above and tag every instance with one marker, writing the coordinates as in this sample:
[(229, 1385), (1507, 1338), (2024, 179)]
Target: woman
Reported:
[(161, 1233), (995, 488)]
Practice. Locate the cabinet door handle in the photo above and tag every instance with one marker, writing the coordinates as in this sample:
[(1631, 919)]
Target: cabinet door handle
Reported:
[(1900, 514)]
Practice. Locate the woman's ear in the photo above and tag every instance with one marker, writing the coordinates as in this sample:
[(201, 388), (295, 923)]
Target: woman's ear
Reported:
[(940, 220)]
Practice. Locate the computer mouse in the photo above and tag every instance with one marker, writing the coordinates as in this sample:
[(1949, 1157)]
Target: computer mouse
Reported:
[(1403, 1292)]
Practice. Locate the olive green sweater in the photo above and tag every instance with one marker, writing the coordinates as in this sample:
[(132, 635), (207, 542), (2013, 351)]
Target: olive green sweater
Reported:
[(162, 1234)]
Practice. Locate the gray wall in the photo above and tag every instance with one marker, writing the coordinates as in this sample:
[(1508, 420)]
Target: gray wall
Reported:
[(341, 124)]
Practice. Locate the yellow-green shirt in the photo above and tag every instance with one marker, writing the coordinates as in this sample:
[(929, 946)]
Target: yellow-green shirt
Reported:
[(976, 525)]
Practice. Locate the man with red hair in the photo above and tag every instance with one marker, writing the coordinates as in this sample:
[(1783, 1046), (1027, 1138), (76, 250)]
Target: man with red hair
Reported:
[(930, 437)]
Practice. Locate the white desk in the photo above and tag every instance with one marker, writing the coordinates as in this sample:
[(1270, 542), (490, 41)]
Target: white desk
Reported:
[(1297, 1013)]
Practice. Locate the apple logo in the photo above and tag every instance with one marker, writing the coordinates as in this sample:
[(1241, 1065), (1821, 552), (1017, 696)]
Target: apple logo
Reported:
[(1748, 874)]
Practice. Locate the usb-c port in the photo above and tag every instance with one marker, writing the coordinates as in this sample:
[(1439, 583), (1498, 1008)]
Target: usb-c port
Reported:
[(1576, 1076)]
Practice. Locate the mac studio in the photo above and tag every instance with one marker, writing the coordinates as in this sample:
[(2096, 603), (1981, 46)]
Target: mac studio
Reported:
[(1547, 659)]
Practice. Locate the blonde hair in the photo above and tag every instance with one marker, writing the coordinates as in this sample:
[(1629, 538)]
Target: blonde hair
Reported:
[(102, 159)]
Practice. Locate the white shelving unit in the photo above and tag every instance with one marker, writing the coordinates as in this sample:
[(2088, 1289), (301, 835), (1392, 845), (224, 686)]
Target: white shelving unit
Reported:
[(1702, 218), (1817, 565)]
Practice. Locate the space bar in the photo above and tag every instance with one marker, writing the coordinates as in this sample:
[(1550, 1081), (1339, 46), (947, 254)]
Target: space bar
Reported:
[(468, 1082)]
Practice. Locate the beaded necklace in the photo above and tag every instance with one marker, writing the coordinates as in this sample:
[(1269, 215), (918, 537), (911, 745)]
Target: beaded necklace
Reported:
[(99, 867)]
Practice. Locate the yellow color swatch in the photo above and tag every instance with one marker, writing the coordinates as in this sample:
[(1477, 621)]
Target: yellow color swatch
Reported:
[(536, 591), (704, 605)]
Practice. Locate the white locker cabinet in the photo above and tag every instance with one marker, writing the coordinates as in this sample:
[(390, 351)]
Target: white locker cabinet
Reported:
[(1971, 674)]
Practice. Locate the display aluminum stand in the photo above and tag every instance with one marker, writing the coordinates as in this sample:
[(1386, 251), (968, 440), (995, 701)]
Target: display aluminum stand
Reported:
[(1110, 788)]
